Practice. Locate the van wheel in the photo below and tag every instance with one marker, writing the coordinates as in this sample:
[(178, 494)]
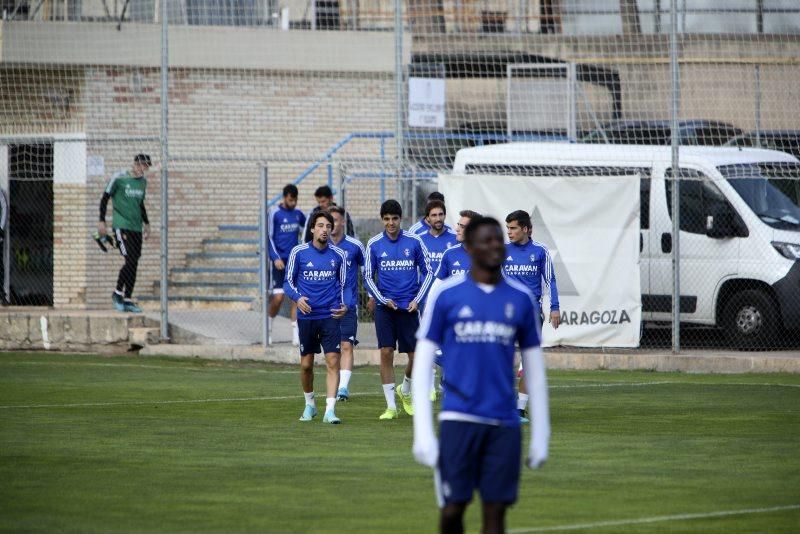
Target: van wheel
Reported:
[(750, 320)]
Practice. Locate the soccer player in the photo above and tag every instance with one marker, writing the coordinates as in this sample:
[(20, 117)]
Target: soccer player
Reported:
[(438, 238), (127, 190), (354, 252), (398, 275), (423, 225), (324, 197), (477, 318), (315, 278), (455, 260), (529, 262), (285, 224)]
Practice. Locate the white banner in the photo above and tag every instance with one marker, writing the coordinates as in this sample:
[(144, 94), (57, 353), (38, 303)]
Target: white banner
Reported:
[(426, 102), (591, 226)]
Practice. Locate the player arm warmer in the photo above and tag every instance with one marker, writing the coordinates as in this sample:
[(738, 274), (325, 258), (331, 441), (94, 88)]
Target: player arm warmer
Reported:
[(144, 215), (104, 206), (426, 447), (538, 405)]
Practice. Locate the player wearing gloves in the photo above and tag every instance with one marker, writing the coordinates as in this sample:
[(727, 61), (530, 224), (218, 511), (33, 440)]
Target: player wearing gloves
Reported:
[(477, 319)]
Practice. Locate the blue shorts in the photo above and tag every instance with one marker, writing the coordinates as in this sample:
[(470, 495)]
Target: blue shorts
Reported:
[(278, 277), (396, 328), (477, 456), (349, 326), (316, 332)]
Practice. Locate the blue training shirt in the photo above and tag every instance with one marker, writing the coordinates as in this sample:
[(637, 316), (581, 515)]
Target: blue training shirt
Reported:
[(437, 245), (398, 270), (284, 231), (477, 332), (454, 261), (319, 275), (532, 265), (354, 252)]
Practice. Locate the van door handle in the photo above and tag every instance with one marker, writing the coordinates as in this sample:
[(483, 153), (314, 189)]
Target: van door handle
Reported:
[(666, 242), (641, 242)]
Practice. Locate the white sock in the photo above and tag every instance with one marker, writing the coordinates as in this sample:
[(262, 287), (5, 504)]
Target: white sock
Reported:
[(388, 392), (522, 401), (406, 388), (309, 399), (330, 402), (344, 378)]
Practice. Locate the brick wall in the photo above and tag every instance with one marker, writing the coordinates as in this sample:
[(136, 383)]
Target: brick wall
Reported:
[(223, 124), (70, 246)]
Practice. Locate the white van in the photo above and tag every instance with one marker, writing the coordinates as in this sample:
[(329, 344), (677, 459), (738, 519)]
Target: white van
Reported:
[(740, 226)]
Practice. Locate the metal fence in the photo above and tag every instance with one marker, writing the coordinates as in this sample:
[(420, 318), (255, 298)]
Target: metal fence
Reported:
[(378, 109)]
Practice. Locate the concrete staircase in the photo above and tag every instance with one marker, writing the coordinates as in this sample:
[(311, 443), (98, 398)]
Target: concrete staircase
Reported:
[(222, 275)]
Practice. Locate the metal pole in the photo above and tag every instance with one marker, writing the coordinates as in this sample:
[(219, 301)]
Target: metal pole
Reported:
[(164, 172), (758, 105), (383, 170), (657, 20), (676, 205), (759, 16), (398, 84), (572, 102), (263, 255), (342, 184)]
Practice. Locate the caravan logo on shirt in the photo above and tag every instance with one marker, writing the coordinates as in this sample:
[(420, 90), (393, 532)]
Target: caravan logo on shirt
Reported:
[(484, 332)]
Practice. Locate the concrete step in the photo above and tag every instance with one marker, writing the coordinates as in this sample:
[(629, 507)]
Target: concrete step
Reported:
[(237, 231), (104, 331), (144, 336), (220, 244), (222, 259), (248, 275), (186, 302), (209, 289)]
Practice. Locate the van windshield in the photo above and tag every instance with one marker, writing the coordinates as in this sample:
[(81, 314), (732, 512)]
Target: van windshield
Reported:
[(772, 190)]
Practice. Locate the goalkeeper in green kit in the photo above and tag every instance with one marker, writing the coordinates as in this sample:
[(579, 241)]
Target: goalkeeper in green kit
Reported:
[(130, 225)]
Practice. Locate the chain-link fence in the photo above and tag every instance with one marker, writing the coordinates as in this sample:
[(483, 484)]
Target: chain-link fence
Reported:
[(339, 94)]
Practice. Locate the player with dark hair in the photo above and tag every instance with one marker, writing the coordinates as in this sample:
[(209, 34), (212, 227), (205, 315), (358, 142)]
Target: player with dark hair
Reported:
[(455, 260), (477, 318), (285, 225), (127, 191), (438, 238), (397, 275), (423, 225), (324, 197), (315, 278), (529, 262), (354, 253)]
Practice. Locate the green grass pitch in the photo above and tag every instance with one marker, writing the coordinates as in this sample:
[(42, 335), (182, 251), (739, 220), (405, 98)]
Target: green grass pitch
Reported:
[(132, 444)]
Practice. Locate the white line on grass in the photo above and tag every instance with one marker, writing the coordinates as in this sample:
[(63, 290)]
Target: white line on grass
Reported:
[(166, 367), (662, 382), (656, 519), (249, 399), (147, 403)]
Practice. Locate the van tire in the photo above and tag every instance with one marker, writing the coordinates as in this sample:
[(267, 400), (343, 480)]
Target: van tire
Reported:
[(750, 320)]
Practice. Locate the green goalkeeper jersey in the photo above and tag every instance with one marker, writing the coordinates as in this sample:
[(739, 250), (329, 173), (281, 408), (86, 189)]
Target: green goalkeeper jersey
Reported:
[(127, 193)]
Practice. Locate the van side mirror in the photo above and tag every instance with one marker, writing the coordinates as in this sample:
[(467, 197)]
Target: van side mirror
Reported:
[(720, 222)]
